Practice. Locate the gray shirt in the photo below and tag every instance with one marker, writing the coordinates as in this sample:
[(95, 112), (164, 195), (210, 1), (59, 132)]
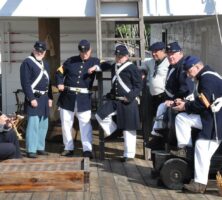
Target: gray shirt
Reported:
[(156, 83)]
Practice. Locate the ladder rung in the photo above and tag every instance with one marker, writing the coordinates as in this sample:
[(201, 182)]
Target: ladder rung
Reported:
[(124, 19), (121, 39), (135, 58), (107, 58), (113, 58)]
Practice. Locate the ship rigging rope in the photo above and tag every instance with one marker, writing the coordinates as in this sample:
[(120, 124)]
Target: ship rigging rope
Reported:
[(218, 24)]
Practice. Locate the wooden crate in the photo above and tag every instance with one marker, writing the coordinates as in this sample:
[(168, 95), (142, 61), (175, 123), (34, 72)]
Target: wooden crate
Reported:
[(51, 174)]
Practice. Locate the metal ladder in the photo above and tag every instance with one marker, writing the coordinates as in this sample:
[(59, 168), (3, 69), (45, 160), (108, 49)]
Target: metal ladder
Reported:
[(103, 20)]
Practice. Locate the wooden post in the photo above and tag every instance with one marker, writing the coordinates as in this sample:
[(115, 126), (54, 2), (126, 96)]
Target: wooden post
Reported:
[(49, 31)]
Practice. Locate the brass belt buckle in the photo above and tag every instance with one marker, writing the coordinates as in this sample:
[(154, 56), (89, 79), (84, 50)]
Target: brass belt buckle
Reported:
[(78, 90)]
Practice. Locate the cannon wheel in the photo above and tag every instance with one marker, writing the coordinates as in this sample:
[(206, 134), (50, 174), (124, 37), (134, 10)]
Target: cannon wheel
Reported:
[(174, 173)]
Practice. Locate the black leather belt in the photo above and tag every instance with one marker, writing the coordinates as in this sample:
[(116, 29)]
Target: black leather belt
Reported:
[(38, 94), (161, 95)]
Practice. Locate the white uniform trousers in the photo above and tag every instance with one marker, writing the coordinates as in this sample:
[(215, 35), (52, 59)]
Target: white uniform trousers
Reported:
[(183, 124), (109, 126), (67, 120), (158, 124), (204, 149)]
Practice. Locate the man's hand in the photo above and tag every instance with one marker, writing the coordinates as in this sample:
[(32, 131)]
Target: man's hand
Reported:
[(180, 105), (92, 69), (34, 103), (6, 121), (169, 103), (50, 103), (126, 100), (216, 105), (143, 76), (3, 119), (61, 87)]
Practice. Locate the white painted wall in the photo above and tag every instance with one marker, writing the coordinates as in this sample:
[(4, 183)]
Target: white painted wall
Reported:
[(80, 8), (17, 37), (181, 7), (42, 8)]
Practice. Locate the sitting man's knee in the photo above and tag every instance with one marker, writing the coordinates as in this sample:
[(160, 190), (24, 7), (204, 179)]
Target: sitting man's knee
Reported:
[(179, 117)]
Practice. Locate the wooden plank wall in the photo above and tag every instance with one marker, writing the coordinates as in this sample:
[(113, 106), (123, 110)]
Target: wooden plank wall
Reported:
[(18, 37)]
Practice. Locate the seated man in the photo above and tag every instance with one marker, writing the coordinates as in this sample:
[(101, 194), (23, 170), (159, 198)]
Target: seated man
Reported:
[(9, 145), (178, 85), (203, 113)]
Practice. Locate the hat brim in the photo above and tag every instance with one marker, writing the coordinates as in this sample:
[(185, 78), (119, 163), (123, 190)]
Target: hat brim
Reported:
[(40, 49), (85, 49), (121, 54), (173, 51), (156, 49)]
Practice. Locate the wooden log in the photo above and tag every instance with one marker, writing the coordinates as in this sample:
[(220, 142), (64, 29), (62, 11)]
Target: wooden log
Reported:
[(59, 174)]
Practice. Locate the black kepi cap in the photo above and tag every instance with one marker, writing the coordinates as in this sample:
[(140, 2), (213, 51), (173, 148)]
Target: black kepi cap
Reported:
[(84, 46), (40, 46)]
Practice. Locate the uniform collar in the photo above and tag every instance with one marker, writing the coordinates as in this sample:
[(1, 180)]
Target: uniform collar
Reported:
[(205, 68), (179, 63), (40, 61), (83, 60), (158, 62)]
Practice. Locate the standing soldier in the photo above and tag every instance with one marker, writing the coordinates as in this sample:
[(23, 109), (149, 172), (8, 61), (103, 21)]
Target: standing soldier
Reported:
[(126, 87), (35, 81), (74, 81), (156, 69)]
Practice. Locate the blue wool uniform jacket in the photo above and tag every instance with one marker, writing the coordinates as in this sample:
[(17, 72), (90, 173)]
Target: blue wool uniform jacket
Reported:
[(74, 73), (127, 113), (208, 84), (178, 83), (29, 72)]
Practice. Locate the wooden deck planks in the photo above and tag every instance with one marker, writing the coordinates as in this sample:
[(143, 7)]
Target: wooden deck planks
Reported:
[(22, 196), (107, 184), (58, 195), (41, 195), (111, 179), (123, 185), (8, 196)]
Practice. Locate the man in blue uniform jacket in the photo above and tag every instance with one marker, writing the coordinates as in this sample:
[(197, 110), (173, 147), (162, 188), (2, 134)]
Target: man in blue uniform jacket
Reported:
[(35, 81), (74, 81), (204, 113), (122, 102), (9, 144)]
